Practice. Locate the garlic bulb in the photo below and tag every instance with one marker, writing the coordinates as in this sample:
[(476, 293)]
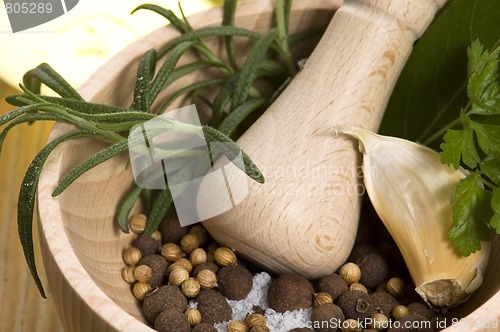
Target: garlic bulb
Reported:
[(411, 191)]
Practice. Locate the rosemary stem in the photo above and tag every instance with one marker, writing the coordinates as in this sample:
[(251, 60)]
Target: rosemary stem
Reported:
[(283, 36)]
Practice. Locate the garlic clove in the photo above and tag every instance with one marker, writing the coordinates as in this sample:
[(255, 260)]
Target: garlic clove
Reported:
[(411, 192)]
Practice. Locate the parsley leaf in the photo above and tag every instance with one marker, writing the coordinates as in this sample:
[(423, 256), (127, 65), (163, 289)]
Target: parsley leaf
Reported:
[(469, 216), (475, 145)]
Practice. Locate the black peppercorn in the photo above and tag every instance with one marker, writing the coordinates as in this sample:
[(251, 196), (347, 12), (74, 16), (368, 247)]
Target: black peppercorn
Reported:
[(205, 266), (203, 327), (374, 269), (162, 298), (171, 230), (332, 284), (290, 292), (172, 320), (213, 306), (384, 302), (234, 282), (258, 310), (356, 304), (146, 244), (327, 317), (158, 265)]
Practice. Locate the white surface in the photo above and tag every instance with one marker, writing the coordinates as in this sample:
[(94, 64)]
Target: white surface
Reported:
[(78, 42)]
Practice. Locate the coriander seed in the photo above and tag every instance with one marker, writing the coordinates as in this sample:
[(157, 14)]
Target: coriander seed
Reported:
[(128, 274), (236, 326), (224, 256), (137, 223), (207, 278), (189, 242), (157, 236), (190, 287), (254, 320), (182, 262), (260, 328), (200, 232), (193, 316), (171, 252), (358, 286), (198, 256), (396, 287), (322, 298), (379, 321), (400, 311), (350, 272), (132, 256), (351, 325), (178, 276), (143, 273), (140, 289)]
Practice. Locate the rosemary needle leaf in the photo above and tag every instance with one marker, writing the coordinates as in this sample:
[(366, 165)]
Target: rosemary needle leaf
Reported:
[(161, 204), (229, 11), (17, 112), (250, 67), (222, 99), (190, 88), (190, 68), (166, 68), (90, 163), (45, 74), (25, 118), (238, 115), (118, 127), (231, 151), (26, 202), (209, 32), (126, 206), (145, 72)]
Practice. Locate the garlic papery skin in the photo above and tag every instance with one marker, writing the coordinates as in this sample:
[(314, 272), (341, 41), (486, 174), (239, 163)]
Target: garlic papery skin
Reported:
[(411, 191)]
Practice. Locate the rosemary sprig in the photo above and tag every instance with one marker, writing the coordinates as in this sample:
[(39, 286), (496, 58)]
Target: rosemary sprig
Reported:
[(235, 94)]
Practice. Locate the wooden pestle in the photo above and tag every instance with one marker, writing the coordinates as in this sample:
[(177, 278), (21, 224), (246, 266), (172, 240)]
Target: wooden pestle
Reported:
[(304, 218)]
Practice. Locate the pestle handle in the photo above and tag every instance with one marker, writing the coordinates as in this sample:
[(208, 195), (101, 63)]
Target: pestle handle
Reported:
[(304, 218)]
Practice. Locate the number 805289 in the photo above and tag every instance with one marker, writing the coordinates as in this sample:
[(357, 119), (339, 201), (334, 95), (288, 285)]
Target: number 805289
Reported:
[(28, 8)]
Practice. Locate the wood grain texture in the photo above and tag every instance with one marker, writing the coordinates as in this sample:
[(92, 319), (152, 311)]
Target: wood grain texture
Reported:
[(81, 246), (304, 218), (22, 309)]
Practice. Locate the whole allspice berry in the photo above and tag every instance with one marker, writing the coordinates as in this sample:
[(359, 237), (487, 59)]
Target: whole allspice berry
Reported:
[(356, 304), (383, 302), (178, 276), (158, 266), (191, 287), (400, 311), (207, 278), (396, 287), (203, 327), (350, 272), (189, 242), (290, 292), (162, 298), (224, 256), (374, 269), (253, 320), (322, 298), (143, 273), (213, 306), (132, 256), (325, 316), (171, 251), (171, 320), (236, 326), (193, 316), (198, 256), (171, 230), (422, 309), (140, 290), (146, 244), (332, 284), (137, 223), (234, 282)]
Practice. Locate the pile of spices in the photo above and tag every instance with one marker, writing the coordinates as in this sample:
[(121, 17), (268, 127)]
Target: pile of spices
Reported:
[(187, 282)]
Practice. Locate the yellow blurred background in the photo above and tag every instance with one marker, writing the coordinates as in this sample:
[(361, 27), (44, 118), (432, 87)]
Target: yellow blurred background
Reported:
[(75, 44)]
